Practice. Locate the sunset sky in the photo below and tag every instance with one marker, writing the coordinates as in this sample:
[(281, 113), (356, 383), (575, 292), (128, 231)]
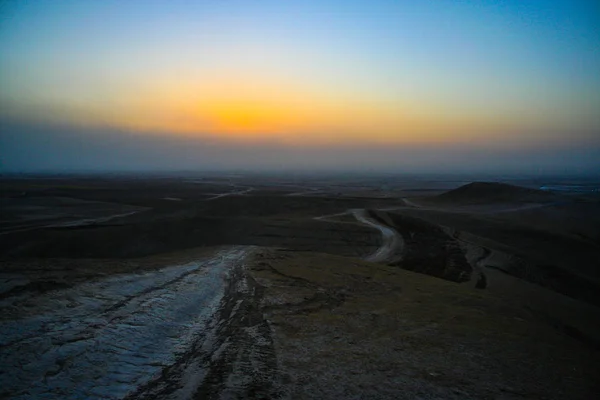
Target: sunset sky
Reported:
[(298, 78)]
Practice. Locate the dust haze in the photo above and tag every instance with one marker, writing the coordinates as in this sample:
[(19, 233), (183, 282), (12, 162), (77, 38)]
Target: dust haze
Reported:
[(28, 147)]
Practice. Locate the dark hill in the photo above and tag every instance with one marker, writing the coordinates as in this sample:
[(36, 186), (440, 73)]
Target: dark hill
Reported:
[(493, 192)]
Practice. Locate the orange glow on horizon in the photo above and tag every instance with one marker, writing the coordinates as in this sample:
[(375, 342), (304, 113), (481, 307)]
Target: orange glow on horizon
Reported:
[(261, 109)]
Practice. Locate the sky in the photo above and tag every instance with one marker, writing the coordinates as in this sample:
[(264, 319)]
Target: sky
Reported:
[(252, 84)]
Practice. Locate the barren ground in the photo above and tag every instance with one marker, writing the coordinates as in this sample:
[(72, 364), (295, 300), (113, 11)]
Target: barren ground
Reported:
[(297, 287)]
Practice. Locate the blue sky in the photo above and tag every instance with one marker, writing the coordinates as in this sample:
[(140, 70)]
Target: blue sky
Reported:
[(315, 73)]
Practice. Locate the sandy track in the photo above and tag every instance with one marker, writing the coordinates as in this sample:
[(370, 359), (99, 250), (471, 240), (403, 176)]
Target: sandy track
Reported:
[(74, 223), (238, 193), (116, 337), (309, 192), (392, 244), (232, 193)]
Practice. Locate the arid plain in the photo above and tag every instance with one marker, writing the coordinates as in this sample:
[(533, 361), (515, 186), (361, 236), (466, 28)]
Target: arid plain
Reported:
[(298, 286)]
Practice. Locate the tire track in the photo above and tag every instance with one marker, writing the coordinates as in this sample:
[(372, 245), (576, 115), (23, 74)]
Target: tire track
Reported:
[(109, 338)]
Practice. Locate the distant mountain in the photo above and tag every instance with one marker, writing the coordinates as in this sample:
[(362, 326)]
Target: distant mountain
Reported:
[(493, 192)]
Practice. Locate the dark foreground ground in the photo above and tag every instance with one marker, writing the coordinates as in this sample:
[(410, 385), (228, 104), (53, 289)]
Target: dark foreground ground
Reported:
[(298, 287)]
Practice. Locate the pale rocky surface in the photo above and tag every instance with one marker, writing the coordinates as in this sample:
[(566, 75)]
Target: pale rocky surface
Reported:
[(109, 338)]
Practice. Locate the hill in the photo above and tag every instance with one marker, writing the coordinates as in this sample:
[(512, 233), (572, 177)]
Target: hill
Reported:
[(492, 192), (343, 328)]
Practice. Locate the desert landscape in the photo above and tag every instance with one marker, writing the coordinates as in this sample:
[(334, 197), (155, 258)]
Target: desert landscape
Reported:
[(298, 286), (314, 199)]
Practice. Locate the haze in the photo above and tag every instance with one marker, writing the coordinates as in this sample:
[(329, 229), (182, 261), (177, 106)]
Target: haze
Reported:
[(382, 85)]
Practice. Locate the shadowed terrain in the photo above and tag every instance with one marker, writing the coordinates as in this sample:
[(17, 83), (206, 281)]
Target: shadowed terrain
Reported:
[(279, 287)]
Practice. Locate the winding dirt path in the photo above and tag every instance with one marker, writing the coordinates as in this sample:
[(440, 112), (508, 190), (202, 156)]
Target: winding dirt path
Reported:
[(393, 242), (234, 193), (74, 223)]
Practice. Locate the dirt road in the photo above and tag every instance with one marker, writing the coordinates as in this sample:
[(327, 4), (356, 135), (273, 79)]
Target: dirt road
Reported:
[(160, 332), (393, 243)]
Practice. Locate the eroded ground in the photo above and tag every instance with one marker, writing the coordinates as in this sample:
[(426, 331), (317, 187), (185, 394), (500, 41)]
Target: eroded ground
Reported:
[(265, 287), (114, 337)]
